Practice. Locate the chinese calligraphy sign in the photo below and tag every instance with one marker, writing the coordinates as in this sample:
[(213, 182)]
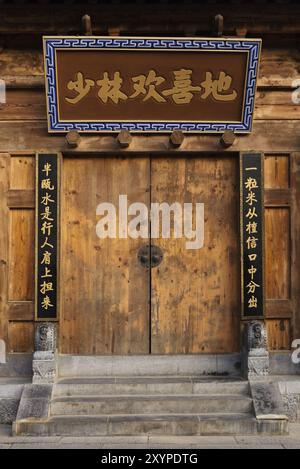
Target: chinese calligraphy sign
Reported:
[(47, 194), (150, 85), (251, 180)]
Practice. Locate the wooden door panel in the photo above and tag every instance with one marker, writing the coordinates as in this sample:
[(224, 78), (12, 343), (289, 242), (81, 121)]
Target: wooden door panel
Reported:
[(196, 293), (105, 291)]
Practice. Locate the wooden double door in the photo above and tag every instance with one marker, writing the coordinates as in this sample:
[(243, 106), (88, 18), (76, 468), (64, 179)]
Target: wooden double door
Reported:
[(110, 302)]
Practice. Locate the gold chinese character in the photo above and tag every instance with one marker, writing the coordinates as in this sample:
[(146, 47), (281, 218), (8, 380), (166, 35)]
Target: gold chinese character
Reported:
[(252, 286), (182, 91), (146, 85), (252, 302), (251, 227), (252, 257), (111, 89), (46, 214), (46, 227), (46, 286), (46, 199), (47, 273), (252, 271), (46, 184), (81, 85), (47, 169), (46, 258), (46, 303), (251, 183), (46, 243), (218, 86), (251, 198), (251, 213), (251, 242)]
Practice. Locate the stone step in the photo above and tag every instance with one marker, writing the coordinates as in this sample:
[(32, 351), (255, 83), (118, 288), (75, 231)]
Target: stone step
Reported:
[(149, 385), (150, 404), (141, 365), (160, 424)]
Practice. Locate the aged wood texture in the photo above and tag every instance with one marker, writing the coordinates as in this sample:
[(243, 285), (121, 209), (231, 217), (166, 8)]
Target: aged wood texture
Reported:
[(267, 136), (4, 241), (21, 336), (275, 19), (295, 241), (278, 69), (19, 230), (277, 248), (30, 104), (279, 235), (105, 291), (21, 255), (279, 334), (196, 293)]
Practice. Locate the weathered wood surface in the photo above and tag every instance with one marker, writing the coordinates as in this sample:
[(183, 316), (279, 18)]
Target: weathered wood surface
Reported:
[(295, 242), (104, 290), (17, 180), (30, 104), (279, 67), (4, 243), (195, 292), (258, 18)]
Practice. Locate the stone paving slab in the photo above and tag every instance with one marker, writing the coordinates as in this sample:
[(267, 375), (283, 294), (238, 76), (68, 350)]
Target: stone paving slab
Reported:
[(151, 442)]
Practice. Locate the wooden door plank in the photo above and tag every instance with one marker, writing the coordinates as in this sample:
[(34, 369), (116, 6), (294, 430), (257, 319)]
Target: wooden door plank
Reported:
[(196, 293), (105, 291)]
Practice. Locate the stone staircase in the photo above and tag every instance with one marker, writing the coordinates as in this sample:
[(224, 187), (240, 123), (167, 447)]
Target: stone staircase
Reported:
[(136, 405)]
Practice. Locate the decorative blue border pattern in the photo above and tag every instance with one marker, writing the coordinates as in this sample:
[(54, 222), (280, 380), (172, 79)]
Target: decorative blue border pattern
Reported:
[(54, 43)]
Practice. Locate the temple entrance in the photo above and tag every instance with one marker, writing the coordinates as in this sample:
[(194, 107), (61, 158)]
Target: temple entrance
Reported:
[(160, 294)]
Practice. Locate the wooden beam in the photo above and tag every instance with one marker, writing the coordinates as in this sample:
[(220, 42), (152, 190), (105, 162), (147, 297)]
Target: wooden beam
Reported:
[(279, 309), (124, 139), (87, 25), (278, 69), (227, 139), (17, 198), (21, 311), (267, 136), (295, 242), (277, 197), (176, 138)]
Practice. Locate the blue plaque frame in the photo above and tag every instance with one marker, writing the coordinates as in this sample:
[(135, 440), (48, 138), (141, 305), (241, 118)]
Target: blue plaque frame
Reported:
[(52, 44)]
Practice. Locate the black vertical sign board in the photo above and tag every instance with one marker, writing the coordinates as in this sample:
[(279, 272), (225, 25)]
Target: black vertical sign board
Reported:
[(47, 193), (252, 234)]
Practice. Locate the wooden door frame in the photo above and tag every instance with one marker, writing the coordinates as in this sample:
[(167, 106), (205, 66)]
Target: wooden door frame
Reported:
[(136, 154)]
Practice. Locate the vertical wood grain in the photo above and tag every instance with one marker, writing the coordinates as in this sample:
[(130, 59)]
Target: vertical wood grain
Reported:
[(4, 241), (196, 293), (104, 289), (277, 253), (21, 255)]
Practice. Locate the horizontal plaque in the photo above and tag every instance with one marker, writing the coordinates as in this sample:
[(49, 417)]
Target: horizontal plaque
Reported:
[(106, 84)]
